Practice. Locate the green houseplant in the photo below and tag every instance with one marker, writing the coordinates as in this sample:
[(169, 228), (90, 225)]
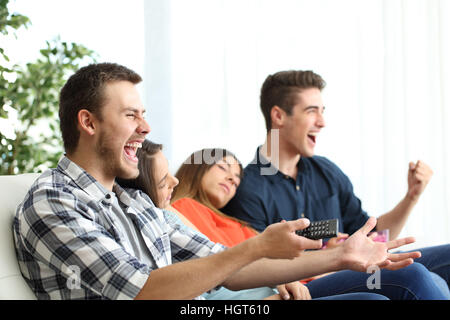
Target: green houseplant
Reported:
[(29, 100)]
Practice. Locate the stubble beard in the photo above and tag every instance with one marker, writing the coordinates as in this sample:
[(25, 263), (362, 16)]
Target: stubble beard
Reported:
[(111, 160)]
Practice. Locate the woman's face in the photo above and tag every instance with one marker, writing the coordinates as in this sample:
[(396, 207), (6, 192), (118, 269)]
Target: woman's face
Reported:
[(221, 181), (165, 182)]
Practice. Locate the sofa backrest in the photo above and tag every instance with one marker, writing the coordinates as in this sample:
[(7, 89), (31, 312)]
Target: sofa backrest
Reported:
[(12, 192)]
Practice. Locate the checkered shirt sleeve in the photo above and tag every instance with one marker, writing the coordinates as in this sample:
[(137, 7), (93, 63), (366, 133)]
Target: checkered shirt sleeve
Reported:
[(64, 252)]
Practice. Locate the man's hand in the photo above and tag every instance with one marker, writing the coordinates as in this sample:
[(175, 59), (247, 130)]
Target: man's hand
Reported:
[(336, 241), (419, 175), (360, 252), (279, 240), (294, 290)]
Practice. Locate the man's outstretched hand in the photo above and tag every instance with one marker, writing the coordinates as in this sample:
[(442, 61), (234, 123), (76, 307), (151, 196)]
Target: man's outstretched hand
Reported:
[(279, 240), (359, 251)]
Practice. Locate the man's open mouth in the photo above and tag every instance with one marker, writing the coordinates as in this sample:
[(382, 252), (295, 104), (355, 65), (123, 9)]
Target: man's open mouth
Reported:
[(312, 136), (130, 150)]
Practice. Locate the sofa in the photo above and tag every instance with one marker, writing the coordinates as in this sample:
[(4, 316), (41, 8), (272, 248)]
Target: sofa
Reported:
[(12, 192)]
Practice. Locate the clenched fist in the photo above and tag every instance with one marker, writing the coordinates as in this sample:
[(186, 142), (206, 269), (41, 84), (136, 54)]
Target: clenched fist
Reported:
[(419, 174)]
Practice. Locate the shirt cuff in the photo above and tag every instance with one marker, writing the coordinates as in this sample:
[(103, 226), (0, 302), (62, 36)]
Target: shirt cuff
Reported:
[(125, 283)]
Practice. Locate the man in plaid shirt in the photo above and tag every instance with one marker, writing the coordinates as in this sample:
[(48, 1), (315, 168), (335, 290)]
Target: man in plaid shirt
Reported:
[(78, 235)]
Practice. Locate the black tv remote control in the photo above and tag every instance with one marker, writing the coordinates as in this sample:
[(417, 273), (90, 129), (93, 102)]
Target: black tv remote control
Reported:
[(320, 230)]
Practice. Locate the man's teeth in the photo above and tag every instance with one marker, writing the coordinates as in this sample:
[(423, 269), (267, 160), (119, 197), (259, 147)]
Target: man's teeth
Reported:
[(134, 145)]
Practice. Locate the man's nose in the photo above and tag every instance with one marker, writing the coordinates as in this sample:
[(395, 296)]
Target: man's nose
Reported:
[(144, 127), (321, 120)]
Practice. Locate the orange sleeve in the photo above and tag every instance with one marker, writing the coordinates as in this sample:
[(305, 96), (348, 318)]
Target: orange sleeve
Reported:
[(216, 227)]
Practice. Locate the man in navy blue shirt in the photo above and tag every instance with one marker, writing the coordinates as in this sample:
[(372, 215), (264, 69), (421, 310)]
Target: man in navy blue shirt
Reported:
[(285, 181)]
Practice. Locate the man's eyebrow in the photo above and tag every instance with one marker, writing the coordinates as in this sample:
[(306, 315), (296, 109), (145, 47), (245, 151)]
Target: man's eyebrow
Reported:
[(314, 107), (135, 110)]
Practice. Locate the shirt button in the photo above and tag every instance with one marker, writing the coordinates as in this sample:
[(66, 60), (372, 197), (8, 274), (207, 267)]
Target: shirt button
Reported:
[(302, 215), (108, 196), (286, 177), (297, 187)]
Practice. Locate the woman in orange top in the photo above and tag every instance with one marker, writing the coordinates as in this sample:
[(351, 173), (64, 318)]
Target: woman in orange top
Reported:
[(216, 227), (208, 180), (206, 186)]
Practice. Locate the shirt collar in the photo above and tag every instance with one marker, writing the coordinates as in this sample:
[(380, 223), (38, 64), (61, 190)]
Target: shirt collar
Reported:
[(264, 164), (123, 195), (84, 180)]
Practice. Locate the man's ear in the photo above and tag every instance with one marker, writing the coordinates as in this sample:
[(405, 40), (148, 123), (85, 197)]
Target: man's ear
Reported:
[(277, 116), (86, 121)]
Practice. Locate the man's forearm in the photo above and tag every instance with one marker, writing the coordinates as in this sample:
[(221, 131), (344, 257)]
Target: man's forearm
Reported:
[(271, 272), (419, 175), (186, 280), (395, 219), (189, 279)]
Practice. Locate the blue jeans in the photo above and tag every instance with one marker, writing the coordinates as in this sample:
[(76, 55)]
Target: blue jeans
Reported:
[(414, 282), (354, 296), (437, 260)]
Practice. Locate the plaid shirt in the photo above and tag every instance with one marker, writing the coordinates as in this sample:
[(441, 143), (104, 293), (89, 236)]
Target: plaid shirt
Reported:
[(69, 247)]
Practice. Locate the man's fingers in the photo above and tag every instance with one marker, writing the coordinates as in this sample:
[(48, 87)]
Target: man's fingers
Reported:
[(370, 224), (395, 265), (395, 257), (400, 242), (283, 292), (384, 264), (373, 235), (311, 244), (421, 168), (305, 294), (299, 224), (399, 265)]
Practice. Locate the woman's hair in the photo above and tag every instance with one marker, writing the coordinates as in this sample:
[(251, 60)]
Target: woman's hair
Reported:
[(146, 179), (191, 173)]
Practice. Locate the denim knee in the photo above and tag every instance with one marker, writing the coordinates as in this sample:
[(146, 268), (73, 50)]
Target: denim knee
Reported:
[(436, 259), (417, 282)]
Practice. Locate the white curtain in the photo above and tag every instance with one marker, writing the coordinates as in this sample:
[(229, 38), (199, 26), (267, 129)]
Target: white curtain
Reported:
[(386, 63)]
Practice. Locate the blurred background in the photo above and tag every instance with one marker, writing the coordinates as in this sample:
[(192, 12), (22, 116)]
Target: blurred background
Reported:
[(386, 64)]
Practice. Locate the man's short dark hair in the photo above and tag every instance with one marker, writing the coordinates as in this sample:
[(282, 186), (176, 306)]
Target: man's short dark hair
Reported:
[(85, 90), (281, 89)]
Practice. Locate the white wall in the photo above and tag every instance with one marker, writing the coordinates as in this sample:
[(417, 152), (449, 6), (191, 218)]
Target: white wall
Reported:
[(112, 28)]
